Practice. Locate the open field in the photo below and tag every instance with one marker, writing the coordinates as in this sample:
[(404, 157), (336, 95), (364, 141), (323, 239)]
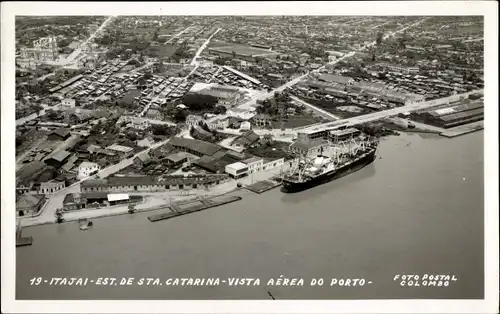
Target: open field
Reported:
[(242, 49)]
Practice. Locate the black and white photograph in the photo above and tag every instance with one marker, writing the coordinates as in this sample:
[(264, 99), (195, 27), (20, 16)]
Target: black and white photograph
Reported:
[(227, 151)]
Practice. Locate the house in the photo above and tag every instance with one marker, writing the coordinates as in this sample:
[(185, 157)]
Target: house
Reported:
[(261, 120), (245, 125), (57, 159), (86, 169), (149, 183), (52, 186), (176, 159), (29, 204), (161, 152), (60, 134), (245, 140), (142, 160), (68, 103), (121, 151)]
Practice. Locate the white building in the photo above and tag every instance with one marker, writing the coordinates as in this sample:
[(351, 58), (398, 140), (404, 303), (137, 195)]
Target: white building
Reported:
[(254, 164), (68, 102), (193, 119), (86, 169), (245, 125), (237, 170)]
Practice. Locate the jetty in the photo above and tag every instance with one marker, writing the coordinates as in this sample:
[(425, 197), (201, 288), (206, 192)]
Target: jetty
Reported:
[(192, 206), (20, 240), (263, 186)]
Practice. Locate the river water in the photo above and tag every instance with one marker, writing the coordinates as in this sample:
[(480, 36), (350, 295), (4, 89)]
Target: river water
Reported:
[(418, 209)]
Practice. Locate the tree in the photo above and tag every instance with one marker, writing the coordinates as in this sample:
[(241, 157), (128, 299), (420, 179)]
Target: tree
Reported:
[(59, 216), (131, 209), (380, 38), (220, 109), (197, 102), (132, 136), (180, 115)]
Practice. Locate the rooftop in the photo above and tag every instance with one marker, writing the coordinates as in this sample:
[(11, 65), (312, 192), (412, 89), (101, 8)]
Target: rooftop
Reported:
[(59, 156), (238, 166), (201, 147), (120, 148)]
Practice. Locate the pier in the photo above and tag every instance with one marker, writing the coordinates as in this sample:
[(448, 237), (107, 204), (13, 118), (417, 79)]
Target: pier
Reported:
[(20, 240), (262, 186), (193, 206)]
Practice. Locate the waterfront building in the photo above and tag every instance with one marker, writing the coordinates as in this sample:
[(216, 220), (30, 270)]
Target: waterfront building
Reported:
[(261, 120), (254, 164), (342, 135), (237, 170), (29, 204), (308, 147), (150, 183), (122, 151)]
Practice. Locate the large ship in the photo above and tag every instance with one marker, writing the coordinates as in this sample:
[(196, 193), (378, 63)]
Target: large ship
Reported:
[(339, 160)]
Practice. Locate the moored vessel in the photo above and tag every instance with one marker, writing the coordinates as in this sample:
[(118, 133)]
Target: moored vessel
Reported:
[(340, 160)]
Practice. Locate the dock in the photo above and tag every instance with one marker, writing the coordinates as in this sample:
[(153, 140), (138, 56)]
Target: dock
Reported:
[(463, 129), (20, 240), (193, 206), (262, 186)]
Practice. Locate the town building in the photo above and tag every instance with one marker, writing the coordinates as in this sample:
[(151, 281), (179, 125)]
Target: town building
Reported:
[(254, 164), (237, 170), (52, 186), (176, 159), (123, 152), (29, 205), (142, 160), (86, 169), (195, 147), (150, 184), (336, 79), (68, 103), (60, 134), (57, 159), (261, 120)]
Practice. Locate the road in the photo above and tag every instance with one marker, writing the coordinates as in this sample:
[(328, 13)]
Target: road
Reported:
[(78, 50), (386, 113), (321, 112), (205, 44), (178, 34)]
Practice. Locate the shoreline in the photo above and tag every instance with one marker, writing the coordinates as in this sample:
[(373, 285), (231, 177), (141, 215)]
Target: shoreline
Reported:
[(188, 198)]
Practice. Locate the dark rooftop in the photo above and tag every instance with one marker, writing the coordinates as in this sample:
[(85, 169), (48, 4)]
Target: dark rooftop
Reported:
[(201, 147)]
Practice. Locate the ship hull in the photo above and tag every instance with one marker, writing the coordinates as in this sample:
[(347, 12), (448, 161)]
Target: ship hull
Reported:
[(293, 187)]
